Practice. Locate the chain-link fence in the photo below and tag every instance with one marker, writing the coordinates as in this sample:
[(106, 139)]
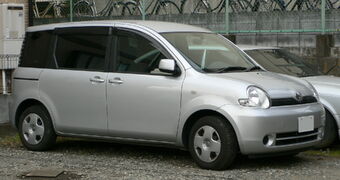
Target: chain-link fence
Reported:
[(293, 24), (243, 16)]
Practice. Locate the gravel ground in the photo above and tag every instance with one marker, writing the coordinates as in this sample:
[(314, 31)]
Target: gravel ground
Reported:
[(100, 160)]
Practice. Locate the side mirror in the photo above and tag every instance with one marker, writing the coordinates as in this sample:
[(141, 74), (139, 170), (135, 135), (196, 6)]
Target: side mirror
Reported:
[(167, 66)]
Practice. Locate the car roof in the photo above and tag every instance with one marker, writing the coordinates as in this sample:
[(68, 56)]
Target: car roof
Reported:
[(253, 47), (158, 26)]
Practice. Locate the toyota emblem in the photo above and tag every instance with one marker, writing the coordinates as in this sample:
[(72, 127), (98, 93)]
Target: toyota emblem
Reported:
[(298, 96)]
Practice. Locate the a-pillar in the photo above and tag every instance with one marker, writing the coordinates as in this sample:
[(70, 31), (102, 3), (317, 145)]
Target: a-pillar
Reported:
[(231, 37)]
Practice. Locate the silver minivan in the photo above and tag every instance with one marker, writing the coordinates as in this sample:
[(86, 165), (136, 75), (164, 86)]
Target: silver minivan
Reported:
[(158, 83)]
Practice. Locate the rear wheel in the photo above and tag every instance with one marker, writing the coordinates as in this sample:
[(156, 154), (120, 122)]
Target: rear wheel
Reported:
[(131, 8), (201, 7), (213, 143), (83, 9), (167, 7), (36, 129)]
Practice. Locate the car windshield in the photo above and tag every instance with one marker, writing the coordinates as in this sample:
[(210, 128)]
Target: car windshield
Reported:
[(282, 61), (209, 52)]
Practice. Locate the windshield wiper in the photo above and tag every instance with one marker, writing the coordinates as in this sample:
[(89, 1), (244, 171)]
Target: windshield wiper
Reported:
[(254, 68), (226, 69)]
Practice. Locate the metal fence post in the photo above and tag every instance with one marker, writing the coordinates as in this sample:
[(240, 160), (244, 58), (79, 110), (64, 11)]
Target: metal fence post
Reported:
[(30, 13), (71, 10), (143, 9), (226, 16), (323, 16)]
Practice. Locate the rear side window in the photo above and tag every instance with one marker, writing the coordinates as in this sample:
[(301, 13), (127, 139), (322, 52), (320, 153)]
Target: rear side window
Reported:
[(81, 51), (36, 49)]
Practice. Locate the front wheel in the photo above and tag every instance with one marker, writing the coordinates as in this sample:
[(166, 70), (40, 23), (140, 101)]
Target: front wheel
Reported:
[(213, 143), (131, 8), (36, 129), (167, 7), (83, 9)]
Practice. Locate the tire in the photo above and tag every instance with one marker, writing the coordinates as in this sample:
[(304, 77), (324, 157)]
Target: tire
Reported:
[(200, 8), (131, 8), (238, 6), (117, 9), (83, 9), (167, 7), (61, 10), (36, 129), (331, 133), (207, 133)]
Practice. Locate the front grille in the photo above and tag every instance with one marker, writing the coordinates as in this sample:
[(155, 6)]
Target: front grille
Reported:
[(293, 101), (295, 137)]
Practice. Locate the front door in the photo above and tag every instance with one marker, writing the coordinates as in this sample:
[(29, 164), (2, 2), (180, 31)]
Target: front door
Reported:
[(143, 103)]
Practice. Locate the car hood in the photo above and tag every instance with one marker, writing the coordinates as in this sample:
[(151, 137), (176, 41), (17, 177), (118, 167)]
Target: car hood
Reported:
[(276, 85), (324, 80)]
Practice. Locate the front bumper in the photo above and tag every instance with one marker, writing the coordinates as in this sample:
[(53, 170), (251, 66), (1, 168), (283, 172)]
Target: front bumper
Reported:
[(256, 127)]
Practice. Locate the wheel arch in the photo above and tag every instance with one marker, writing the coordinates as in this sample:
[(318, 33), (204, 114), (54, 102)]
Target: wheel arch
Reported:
[(332, 111), (24, 105), (195, 117), (327, 109)]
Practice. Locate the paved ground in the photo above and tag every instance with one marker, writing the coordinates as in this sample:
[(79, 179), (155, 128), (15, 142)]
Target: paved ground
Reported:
[(100, 160), (6, 130), (3, 109)]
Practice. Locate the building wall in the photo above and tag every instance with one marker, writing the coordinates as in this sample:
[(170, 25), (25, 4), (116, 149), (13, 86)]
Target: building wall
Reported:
[(3, 98), (25, 2)]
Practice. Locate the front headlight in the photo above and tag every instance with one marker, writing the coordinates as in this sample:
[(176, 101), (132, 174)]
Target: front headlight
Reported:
[(256, 98)]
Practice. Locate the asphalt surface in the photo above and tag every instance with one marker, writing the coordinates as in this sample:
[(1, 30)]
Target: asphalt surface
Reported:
[(100, 160)]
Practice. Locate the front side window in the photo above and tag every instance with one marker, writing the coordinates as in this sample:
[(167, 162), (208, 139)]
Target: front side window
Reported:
[(209, 52), (81, 51), (282, 61), (35, 49), (136, 54)]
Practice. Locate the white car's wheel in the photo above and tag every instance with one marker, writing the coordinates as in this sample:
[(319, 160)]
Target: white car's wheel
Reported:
[(213, 143), (36, 129)]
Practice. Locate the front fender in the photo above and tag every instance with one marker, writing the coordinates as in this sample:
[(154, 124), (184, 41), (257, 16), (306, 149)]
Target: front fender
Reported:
[(332, 109), (206, 102)]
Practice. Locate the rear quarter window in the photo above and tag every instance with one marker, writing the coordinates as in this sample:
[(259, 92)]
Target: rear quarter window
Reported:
[(35, 49)]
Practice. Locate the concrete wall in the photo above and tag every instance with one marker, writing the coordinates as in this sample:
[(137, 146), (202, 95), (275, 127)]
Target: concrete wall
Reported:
[(4, 109)]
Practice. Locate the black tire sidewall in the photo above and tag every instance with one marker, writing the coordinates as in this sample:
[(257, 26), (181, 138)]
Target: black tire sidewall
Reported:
[(49, 137), (229, 145)]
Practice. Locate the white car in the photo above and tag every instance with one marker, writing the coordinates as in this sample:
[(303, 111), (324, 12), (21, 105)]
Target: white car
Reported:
[(281, 61)]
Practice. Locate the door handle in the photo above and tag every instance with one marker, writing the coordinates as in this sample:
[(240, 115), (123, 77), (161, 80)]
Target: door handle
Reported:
[(116, 80), (97, 79)]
